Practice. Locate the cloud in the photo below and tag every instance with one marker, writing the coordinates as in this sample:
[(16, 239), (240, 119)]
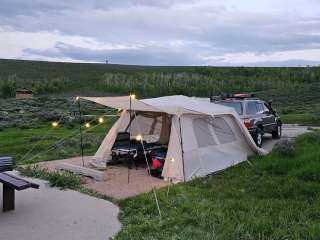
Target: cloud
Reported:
[(140, 55), (169, 32), (282, 58)]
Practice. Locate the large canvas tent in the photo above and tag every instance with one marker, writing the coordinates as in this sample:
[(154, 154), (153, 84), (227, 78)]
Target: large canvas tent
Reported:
[(202, 137)]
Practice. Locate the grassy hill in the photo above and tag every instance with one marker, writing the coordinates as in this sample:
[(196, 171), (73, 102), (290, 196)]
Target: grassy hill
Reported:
[(294, 90), (48, 77)]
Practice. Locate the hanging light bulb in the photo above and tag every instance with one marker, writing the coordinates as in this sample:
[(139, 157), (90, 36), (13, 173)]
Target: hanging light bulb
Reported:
[(139, 137), (55, 124), (87, 125), (172, 160), (101, 120), (77, 98)]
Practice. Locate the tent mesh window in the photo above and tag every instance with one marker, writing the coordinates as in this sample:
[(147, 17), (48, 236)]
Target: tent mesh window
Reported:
[(148, 126), (223, 131), (154, 127), (201, 128)]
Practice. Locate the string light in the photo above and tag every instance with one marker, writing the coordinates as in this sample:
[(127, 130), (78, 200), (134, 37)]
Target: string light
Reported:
[(87, 125), (139, 137), (101, 120), (172, 159), (55, 124), (77, 98), (133, 96)]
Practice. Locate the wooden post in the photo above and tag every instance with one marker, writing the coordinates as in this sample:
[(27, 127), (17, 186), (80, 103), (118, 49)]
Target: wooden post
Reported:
[(8, 198)]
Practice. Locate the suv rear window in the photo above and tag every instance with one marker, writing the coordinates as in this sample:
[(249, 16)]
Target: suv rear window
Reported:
[(236, 105), (251, 108), (260, 107)]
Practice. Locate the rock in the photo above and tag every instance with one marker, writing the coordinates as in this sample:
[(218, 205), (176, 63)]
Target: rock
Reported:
[(285, 147)]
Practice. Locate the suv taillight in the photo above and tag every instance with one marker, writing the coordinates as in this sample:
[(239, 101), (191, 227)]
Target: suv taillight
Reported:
[(247, 122)]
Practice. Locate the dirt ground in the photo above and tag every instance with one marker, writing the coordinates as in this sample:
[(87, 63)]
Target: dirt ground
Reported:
[(120, 183)]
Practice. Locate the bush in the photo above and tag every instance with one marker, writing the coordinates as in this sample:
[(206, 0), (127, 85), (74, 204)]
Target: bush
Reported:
[(35, 138), (7, 89)]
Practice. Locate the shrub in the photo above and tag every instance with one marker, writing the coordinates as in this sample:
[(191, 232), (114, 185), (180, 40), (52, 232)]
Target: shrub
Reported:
[(7, 89), (35, 138)]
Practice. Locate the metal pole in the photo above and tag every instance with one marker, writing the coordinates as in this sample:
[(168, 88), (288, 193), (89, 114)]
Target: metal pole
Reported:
[(184, 175), (80, 128), (129, 156)]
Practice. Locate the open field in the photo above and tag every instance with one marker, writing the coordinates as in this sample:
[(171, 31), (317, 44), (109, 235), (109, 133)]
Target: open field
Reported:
[(27, 135)]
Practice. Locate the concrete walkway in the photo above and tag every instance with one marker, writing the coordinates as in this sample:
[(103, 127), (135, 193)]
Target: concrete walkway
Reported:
[(52, 214)]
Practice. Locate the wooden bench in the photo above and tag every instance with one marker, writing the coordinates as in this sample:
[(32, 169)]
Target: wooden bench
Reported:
[(10, 184), (6, 164)]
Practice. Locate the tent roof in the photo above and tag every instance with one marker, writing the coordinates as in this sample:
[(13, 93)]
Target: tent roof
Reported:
[(175, 105), (180, 104), (122, 103)]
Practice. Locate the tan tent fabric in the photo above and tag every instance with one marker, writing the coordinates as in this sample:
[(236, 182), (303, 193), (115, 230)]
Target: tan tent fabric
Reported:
[(202, 137), (103, 154), (122, 103), (173, 167)]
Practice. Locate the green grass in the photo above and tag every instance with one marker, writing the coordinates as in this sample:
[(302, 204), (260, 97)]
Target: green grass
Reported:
[(277, 197), (27, 135), (60, 179), (47, 143), (307, 119)]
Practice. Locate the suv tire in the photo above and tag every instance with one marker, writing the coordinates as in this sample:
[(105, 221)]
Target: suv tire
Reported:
[(276, 134), (258, 137)]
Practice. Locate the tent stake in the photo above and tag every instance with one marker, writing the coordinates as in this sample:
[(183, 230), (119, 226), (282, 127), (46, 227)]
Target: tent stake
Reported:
[(170, 181)]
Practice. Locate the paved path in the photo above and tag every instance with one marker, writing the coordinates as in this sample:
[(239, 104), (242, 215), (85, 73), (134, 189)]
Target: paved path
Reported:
[(288, 131), (51, 214)]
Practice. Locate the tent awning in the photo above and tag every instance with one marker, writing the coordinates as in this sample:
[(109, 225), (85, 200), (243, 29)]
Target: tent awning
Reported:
[(123, 103)]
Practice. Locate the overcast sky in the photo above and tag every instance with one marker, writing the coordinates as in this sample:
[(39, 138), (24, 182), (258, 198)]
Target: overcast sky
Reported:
[(163, 32)]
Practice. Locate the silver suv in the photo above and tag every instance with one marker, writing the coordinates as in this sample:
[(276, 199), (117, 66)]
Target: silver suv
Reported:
[(257, 115)]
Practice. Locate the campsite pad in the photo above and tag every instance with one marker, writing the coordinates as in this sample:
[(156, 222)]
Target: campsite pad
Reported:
[(116, 184), (49, 214)]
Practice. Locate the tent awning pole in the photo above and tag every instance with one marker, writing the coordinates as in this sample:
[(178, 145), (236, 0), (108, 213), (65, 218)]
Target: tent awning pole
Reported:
[(181, 144)]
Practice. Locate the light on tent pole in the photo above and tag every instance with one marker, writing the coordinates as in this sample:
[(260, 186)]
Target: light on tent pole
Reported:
[(80, 129)]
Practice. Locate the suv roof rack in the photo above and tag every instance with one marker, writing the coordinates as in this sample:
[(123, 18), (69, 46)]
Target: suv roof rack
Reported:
[(241, 96), (244, 95)]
